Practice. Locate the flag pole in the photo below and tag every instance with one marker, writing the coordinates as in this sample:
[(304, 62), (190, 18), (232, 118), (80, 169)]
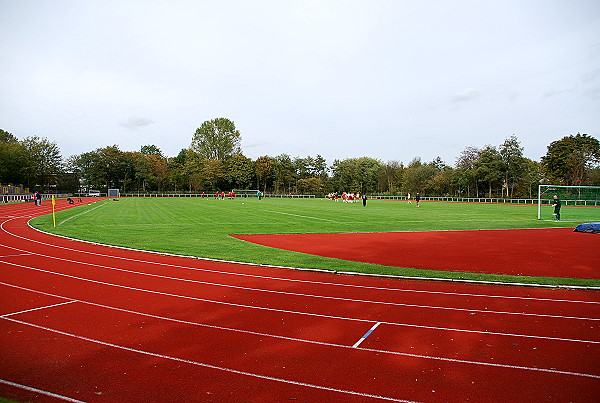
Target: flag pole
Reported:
[(53, 215)]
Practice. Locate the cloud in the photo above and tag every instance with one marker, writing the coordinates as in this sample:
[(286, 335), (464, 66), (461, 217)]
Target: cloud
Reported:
[(467, 95), (134, 123)]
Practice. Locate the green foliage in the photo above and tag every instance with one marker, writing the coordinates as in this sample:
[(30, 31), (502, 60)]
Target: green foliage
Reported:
[(356, 174), (217, 139), (569, 160)]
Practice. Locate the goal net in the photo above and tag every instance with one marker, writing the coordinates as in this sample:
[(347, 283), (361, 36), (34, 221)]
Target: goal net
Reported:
[(245, 193), (582, 196)]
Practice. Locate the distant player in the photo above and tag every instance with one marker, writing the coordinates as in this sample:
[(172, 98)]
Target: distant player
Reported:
[(556, 204), (408, 199), (417, 199)]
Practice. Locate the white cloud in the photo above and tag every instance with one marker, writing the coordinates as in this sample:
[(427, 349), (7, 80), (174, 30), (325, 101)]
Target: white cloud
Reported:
[(136, 123)]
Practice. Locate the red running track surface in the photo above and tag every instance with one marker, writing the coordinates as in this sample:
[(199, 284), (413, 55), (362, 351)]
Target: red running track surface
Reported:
[(83, 322), (554, 252)]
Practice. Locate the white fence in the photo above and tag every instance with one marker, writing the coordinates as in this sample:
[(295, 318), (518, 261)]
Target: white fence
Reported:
[(28, 197), (494, 200), (212, 195)]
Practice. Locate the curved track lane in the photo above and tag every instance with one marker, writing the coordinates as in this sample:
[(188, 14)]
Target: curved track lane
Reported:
[(83, 322)]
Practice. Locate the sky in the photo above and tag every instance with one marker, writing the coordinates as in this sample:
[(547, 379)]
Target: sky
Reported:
[(386, 79)]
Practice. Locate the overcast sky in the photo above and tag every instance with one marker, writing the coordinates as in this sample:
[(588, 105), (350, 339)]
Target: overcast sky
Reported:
[(391, 80)]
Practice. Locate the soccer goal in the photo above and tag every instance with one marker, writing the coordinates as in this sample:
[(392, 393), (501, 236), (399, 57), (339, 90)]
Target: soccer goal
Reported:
[(569, 195), (245, 193)]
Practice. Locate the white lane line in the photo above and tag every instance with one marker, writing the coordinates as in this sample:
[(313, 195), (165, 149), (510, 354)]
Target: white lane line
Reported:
[(210, 366), (42, 392), (397, 353), (364, 301), (294, 312), (259, 276), (37, 309), (366, 335)]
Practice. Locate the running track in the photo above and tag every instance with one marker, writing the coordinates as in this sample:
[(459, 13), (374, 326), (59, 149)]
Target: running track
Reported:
[(83, 322)]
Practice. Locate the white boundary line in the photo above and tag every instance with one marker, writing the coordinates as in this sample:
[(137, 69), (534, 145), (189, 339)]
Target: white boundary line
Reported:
[(37, 309), (298, 312), (210, 366), (319, 296), (397, 353), (42, 392), (283, 267)]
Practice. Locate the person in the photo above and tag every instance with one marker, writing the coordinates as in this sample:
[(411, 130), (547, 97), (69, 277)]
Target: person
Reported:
[(556, 204), (408, 200), (70, 200), (38, 199), (417, 199), (364, 199), (259, 194)]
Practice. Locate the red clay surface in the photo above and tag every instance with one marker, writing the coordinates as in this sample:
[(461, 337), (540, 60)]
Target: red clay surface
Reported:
[(556, 252), (83, 322)]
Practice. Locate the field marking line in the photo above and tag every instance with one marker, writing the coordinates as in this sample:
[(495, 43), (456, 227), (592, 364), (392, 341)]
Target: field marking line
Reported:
[(255, 265), (297, 294), (38, 308), (299, 312), (260, 334), (366, 335), (82, 213), (302, 216), (209, 366), (40, 391)]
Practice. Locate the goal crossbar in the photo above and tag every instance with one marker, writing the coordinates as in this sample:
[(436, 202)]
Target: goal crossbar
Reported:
[(590, 193)]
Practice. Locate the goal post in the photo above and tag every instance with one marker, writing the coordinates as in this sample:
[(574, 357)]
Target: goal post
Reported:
[(246, 192), (569, 195)]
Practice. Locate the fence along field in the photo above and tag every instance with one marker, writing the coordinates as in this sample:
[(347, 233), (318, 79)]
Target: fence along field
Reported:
[(202, 227)]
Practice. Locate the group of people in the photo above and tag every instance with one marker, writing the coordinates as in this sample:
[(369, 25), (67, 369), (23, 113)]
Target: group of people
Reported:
[(417, 199), (345, 196), (348, 197)]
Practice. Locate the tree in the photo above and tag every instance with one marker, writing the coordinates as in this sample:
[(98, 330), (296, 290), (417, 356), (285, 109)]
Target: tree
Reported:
[(356, 174), (283, 172), (13, 159), (417, 176), (240, 171), (488, 168), (217, 139), (465, 165), (514, 164), (151, 150), (569, 159), (264, 171), (43, 161), (390, 177)]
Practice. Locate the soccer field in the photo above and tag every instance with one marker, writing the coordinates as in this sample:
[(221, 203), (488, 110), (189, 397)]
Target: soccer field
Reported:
[(202, 227)]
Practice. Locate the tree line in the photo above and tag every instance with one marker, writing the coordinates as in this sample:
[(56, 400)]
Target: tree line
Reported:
[(215, 161)]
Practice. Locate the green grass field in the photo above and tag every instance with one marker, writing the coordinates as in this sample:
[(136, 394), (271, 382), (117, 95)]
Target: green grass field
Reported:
[(201, 227)]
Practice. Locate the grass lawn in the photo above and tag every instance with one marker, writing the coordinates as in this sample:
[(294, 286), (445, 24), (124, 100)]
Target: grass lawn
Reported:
[(201, 227)]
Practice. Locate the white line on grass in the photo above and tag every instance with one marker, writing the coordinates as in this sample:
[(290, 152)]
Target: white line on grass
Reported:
[(302, 216), (82, 213)]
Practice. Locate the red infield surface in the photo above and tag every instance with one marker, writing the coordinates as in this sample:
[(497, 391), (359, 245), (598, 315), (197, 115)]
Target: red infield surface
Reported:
[(554, 252), (83, 322)]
